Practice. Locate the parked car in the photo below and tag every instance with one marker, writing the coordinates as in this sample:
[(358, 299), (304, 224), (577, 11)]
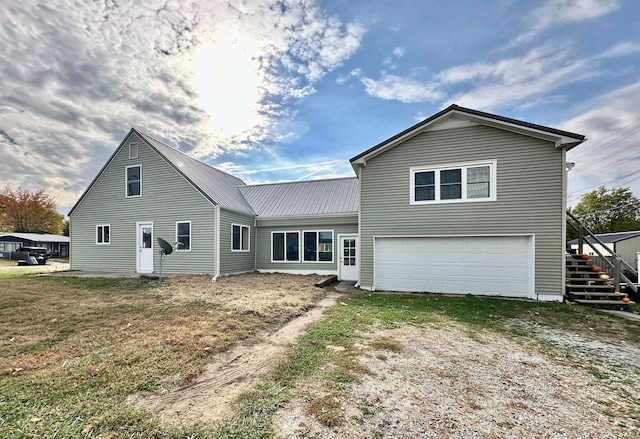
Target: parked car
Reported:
[(40, 254)]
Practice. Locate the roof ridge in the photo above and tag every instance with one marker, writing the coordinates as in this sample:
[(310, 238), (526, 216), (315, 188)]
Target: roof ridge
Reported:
[(187, 155), (299, 181)]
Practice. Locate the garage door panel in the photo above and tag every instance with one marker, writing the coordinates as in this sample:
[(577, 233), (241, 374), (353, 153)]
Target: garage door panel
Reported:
[(464, 265)]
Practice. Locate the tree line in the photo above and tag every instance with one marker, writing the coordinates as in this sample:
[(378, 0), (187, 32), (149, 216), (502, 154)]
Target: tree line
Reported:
[(30, 212), (607, 210)]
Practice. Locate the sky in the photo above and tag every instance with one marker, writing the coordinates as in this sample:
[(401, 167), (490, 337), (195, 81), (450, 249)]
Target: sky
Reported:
[(291, 90)]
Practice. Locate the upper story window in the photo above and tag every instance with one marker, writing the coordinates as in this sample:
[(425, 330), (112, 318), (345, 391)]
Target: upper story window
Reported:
[(183, 235), (103, 234), (134, 181), (239, 238), (454, 184), (133, 150)]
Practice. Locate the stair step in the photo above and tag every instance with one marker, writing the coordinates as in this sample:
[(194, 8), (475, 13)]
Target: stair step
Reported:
[(592, 294), (605, 303), (598, 287), (576, 262), (585, 272)]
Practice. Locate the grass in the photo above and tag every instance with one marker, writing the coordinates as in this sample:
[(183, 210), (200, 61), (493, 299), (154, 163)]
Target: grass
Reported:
[(311, 361), (73, 349)]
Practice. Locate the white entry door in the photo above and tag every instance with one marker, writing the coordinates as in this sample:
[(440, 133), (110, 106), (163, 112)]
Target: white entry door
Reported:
[(348, 268), (145, 248)]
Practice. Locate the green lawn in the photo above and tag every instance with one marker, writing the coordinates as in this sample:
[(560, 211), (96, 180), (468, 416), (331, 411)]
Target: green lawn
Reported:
[(72, 350)]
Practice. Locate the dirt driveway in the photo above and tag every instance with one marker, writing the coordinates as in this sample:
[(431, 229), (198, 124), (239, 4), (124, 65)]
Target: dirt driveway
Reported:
[(429, 371), (437, 381)]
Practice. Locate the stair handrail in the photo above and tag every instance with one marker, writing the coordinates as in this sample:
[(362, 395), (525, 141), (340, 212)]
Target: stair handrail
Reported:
[(616, 267)]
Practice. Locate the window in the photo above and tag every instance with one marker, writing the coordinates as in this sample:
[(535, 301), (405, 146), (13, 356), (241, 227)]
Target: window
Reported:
[(134, 181), (183, 236), (454, 184), (239, 238), (318, 246), (133, 150), (285, 246), (103, 234)]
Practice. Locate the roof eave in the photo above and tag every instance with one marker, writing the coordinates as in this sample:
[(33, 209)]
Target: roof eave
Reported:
[(558, 137), (132, 130)]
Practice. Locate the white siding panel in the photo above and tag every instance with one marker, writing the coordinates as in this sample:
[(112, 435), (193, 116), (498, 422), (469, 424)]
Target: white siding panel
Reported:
[(460, 265)]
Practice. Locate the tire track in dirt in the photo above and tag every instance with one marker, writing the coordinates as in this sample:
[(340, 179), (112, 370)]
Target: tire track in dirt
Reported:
[(213, 394)]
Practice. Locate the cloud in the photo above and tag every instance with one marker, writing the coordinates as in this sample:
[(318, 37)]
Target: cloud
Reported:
[(515, 81), (621, 49), (210, 76), (553, 13), (399, 52), (519, 82), (403, 89), (611, 156), (289, 171)]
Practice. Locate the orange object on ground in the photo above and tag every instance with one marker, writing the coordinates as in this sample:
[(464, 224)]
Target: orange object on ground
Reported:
[(626, 300), (584, 257), (596, 269)]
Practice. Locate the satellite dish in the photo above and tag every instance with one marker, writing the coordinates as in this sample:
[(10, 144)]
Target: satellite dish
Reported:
[(166, 248)]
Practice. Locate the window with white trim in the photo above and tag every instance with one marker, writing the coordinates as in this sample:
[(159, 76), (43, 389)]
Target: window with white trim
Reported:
[(134, 181), (285, 246), (183, 236), (103, 234), (239, 238), (133, 150), (454, 184), (318, 246)]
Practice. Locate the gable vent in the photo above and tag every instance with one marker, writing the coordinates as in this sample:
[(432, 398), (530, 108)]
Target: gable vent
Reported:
[(133, 150)]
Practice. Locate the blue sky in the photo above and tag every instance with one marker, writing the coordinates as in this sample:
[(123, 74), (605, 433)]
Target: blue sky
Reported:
[(290, 90)]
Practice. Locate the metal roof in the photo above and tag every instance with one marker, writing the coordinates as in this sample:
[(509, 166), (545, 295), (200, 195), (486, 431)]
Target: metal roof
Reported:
[(608, 238), (579, 138), (314, 197), (37, 237), (218, 186)]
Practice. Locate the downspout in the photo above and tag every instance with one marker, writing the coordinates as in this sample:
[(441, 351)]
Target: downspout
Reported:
[(255, 243), (217, 244)]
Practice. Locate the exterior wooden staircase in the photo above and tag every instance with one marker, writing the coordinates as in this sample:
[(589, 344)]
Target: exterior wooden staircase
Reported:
[(588, 285)]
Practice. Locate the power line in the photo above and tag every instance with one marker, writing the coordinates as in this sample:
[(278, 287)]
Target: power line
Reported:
[(600, 142), (576, 194), (594, 212)]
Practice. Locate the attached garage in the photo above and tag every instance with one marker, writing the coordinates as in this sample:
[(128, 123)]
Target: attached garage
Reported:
[(483, 265)]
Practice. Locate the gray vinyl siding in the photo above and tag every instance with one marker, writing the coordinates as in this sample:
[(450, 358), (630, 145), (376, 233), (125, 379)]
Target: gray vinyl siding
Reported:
[(234, 261), (166, 198), (339, 225), (529, 196), (628, 249)]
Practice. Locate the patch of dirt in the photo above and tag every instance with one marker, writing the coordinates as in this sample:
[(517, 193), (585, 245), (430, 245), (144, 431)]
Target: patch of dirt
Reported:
[(447, 383), (212, 395), (611, 352), (256, 293)]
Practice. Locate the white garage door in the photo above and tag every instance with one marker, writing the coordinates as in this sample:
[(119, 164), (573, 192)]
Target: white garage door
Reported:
[(499, 265)]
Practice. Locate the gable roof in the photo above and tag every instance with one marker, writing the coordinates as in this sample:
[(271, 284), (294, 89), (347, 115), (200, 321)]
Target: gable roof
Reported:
[(37, 237), (559, 137), (314, 197), (217, 186), (609, 238)]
